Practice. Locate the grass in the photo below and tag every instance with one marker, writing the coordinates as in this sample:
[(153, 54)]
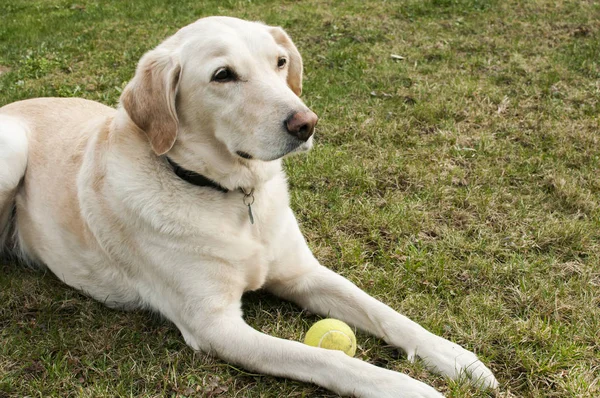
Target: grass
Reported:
[(460, 185)]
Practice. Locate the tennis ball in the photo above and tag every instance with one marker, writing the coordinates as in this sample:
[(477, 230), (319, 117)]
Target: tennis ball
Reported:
[(332, 335)]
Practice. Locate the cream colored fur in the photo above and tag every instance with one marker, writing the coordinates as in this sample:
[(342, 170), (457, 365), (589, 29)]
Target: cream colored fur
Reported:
[(98, 204)]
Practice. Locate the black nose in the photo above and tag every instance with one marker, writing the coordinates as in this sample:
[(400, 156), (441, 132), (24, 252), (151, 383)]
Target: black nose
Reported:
[(302, 124)]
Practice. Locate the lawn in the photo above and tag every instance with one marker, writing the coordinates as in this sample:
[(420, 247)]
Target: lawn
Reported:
[(458, 181)]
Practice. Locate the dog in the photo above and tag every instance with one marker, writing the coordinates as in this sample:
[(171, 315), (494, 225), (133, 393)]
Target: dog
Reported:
[(176, 201)]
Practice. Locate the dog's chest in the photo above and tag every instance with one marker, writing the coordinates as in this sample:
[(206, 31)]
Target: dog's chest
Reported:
[(255, 271), (209, 231), (261, 231), (242, 234)]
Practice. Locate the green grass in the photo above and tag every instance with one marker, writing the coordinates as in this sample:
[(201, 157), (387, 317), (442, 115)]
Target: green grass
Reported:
[(460, 185)]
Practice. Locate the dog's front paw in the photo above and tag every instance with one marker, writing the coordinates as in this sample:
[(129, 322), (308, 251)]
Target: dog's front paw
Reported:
[(396, 385), (416, 389), (449, 359)]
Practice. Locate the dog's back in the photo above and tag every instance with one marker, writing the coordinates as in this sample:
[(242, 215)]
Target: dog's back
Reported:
[(13, 162), (37, 139)]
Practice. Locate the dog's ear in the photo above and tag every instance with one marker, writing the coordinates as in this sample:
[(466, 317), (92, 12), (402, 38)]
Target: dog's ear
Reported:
[(149, 99), (294, 78)]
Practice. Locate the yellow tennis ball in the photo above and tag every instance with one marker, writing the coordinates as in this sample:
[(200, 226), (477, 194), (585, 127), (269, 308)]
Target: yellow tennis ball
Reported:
[(332, 335)]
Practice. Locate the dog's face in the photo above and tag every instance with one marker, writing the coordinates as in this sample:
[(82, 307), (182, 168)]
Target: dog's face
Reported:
[(226, 83)]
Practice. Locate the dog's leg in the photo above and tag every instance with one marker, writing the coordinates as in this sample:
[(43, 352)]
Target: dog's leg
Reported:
[(226, 335), (204, 302), (13, 161), (299, 277)]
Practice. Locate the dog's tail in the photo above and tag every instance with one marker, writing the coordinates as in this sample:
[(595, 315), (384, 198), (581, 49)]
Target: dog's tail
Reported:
[(14, 150)]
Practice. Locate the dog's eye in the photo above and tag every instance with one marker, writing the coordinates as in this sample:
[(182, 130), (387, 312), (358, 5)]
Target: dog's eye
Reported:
[(281, 62), (223, 75)]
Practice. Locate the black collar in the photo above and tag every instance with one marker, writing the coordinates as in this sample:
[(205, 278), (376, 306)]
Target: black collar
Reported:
[(195, 178)]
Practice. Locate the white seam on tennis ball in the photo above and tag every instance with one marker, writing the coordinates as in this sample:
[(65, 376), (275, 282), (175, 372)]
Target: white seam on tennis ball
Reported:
[(335, 331)]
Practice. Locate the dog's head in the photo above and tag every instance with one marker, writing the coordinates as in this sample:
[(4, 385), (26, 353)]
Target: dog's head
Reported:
[(223, 85)]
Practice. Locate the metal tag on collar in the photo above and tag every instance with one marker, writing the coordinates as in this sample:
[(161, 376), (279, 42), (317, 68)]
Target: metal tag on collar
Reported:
[(249, 201)]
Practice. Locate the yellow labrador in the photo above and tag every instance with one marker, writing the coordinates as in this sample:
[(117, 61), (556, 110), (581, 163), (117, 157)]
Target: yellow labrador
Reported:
[(177, 201)]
